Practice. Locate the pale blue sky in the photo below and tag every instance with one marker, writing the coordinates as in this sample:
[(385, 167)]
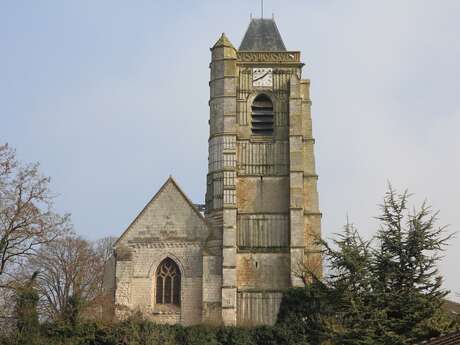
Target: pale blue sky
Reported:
[(111, 97)]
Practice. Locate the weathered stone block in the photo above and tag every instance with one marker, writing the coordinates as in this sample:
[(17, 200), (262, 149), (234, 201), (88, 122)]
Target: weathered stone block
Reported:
[(229, 257), (229, 277), (228, 297), (229, 236), (263, 271), (297, 228), (262, 194), (229, 316)]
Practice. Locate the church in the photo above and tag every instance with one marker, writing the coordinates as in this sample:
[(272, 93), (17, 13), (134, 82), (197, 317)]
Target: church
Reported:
[(231, 263)]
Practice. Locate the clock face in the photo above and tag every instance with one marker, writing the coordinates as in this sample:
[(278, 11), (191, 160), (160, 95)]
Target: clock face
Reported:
[(262, 77)]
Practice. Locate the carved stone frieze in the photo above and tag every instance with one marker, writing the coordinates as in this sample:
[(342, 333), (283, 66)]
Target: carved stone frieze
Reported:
[(160, 244), (289, 57)]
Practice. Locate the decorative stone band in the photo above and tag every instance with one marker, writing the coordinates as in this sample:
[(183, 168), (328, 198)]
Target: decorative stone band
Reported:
[(262, 231), (162, 244), (263, 159), (270, 250), (257, 308), (278, 57)]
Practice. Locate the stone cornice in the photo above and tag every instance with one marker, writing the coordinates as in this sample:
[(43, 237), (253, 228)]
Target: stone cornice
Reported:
[(162, 244), (270, 250), (292, 57), (308, 213), (255, 290)]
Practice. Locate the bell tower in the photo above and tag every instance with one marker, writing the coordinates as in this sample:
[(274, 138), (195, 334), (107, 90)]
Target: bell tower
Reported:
[(261, 198)]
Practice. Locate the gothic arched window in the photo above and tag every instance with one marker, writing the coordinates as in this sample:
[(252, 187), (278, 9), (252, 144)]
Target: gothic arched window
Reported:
[(168, 283), (262, 115)]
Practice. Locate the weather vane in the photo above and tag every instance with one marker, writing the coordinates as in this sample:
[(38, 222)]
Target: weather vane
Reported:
[(262, 9)]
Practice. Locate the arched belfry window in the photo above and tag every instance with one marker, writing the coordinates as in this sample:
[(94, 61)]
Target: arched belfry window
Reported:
[(262, 115), (168, 283)]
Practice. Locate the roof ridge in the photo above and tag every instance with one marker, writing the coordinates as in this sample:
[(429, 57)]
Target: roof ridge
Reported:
[(169, 180)]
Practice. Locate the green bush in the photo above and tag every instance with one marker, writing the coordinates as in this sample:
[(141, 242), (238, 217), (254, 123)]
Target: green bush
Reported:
[(138, 331), (26, 309), (198, 335), (292, 327), (235, 336), (293, 305), (265, 335)]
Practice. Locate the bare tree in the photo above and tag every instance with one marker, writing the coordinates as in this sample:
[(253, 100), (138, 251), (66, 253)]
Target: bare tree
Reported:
[(27, 220), (104, 247), (7, 162), (6, 310), (104, 304), (69, 271)]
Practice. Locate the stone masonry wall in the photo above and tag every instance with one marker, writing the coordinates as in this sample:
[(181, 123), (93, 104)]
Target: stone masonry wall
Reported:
[(168, 227)]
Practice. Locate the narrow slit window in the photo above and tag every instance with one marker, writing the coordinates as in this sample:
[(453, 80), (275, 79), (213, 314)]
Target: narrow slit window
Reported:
[(262, 115), (168, 283)]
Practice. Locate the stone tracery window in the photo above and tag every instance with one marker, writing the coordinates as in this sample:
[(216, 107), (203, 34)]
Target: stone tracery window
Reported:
[(168, 281)]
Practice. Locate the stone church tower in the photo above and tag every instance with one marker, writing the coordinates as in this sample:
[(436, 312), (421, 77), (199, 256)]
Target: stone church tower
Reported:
[(231, 265), (261, 199)]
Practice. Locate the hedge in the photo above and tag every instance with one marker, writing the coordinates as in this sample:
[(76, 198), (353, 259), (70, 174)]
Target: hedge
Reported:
[(142, 332)]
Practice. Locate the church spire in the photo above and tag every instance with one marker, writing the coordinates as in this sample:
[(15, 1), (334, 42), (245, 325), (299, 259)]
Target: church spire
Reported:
[(262, 35), (223, 41)]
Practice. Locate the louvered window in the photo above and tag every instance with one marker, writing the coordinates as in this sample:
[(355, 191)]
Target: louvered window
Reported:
[(168, 283), (262, 115)]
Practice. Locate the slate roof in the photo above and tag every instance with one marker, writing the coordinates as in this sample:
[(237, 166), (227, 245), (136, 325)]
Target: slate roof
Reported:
[(449, 339), (262, 35)]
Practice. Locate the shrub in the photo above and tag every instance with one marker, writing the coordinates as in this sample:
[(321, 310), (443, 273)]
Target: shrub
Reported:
[(235, 336), (266, 335), (198, 335)]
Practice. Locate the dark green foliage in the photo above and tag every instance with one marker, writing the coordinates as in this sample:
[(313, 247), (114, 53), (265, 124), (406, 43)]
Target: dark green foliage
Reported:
[(26, 310), (293, 306), (199, 335), (385, 291), (302, 314), (82, 333), (353, 317), (137, 331), (26, 313), (266, 335), (72, 309), (234, 336), (336, 310), (407, 281)]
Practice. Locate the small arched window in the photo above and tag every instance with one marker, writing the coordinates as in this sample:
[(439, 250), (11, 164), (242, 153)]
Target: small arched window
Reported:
[(262, 115), (168, 283)]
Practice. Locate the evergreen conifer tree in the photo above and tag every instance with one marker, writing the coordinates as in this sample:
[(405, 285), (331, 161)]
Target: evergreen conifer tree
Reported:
[(383, 291), (407, 284)]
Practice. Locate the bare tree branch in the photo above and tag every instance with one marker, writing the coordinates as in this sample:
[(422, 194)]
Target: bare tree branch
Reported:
[(27, 220)]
